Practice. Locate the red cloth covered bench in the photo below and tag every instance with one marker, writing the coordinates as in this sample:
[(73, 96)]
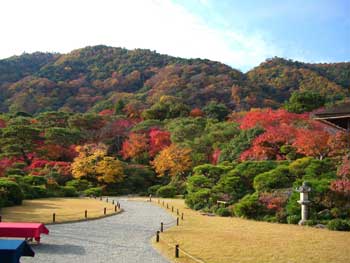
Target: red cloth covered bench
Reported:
[(25, 230)]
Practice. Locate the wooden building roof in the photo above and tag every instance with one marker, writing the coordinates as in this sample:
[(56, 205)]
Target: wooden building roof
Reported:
[(337, 116)]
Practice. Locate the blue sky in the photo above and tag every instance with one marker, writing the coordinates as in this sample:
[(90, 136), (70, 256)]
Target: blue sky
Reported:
[(310, 30), (236, 32)]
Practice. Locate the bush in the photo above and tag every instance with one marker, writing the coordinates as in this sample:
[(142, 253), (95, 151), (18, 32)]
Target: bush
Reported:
[(199, 200), (11, 193), (310, 222), (69, 191), (274, 179), (17, 178), (297, 168), (339, 224), (79, 184), (212, 172), (249, 207), (269, 218), (336, 212), (33, 192), (223, 211), (250, 169), (197, 182), (166, 191), (34, 180), (138, 178), (153, 189), (95, 191), (320, 169), (14, 171), (231, 186)]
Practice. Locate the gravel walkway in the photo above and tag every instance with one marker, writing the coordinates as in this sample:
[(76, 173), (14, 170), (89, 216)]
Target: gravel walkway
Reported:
[(123, 238)]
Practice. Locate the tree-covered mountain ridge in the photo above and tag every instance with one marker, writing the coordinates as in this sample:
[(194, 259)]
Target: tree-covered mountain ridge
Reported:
[(99, 77)]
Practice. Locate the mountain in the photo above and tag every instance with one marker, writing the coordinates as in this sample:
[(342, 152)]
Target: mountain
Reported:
[(96, 78)]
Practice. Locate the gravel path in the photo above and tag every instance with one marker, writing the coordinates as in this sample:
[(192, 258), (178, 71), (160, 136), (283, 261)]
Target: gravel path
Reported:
[(123, 238)]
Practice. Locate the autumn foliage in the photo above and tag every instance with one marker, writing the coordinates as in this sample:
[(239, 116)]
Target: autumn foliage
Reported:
[(93, 164), (301, 134), (158, 141), (134, 146), (173, 161)]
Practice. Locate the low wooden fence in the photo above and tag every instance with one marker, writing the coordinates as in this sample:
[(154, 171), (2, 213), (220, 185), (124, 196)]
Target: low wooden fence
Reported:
[(176, 247), (57, 217)]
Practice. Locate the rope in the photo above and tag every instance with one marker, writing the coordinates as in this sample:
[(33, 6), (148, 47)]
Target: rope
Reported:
[(180, 249), (190, 256), (82, 213), (170, 223), (183, 251)]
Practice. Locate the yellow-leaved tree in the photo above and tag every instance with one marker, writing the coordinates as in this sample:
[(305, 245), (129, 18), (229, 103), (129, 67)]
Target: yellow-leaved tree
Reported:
[(173, 160), (93, 164)]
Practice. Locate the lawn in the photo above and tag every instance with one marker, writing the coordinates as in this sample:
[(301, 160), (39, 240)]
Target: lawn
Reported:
[(66, 210), (227, 240)]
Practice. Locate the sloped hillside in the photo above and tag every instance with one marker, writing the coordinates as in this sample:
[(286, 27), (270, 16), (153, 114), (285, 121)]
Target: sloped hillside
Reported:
[(96, 78)]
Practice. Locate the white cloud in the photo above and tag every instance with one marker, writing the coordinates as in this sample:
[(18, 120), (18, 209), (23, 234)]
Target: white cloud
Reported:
[(161, 25)]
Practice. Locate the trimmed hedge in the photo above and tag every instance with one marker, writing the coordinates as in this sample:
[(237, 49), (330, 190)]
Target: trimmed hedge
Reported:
[(339, 225), (96, 191), (249, 207), (69, 191), (274, 179), (199, 200), (166, 191), (11, 193)]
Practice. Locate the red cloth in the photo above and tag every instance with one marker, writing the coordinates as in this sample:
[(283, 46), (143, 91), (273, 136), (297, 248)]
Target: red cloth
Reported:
[(26, 230)]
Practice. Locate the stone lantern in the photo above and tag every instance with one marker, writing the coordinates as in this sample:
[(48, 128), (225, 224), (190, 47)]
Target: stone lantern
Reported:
[(304, 201)]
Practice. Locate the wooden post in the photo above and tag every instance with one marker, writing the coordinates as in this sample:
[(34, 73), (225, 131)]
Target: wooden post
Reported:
[(0, 218), (167, 206), (105, 210), (182, 216), (177, 221), (53, 218), (85, 214), (107, 200), (157, 239), (177, 251), (112, 202), (172, 209), (115, 208), (177, 211), (161, 227)]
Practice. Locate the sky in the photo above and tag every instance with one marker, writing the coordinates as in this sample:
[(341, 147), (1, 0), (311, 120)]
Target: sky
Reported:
[(239, 33)]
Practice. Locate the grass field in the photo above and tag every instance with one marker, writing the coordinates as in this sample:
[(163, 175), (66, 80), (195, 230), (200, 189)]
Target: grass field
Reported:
[(66, 210), (228, 240)]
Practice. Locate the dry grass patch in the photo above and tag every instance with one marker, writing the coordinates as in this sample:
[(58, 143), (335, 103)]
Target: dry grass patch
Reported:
[(66, 210), (227, 240)]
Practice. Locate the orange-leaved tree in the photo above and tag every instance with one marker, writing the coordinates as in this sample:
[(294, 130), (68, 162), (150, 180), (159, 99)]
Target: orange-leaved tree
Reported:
[(158, 140), (135, 146), (93, 164), (173, 160)]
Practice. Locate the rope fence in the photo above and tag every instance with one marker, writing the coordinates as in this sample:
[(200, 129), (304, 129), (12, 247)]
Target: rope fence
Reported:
[(85, 214), (176, 247)]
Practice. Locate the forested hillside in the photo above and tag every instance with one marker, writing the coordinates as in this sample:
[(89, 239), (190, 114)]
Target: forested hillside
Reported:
[(96, 78)]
